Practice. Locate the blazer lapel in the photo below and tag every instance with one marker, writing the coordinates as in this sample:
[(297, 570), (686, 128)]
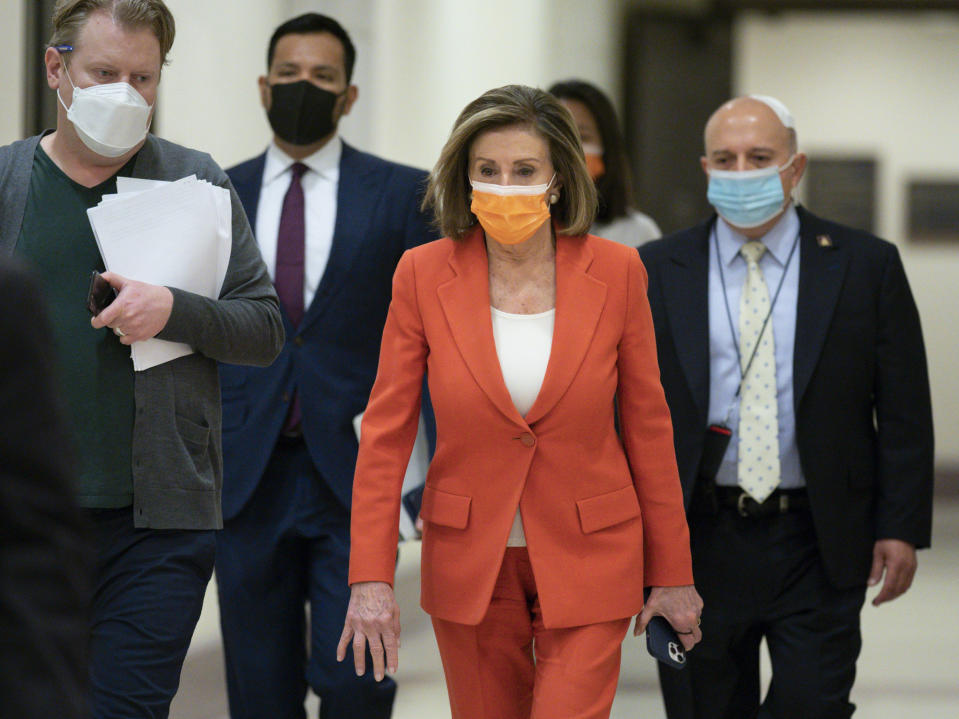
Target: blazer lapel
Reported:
[(466, 304), (356, 195), (580, 299), (822, 269), (685, 287)]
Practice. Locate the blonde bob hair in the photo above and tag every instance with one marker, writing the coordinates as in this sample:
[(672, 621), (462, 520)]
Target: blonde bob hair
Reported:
[(448, 192)]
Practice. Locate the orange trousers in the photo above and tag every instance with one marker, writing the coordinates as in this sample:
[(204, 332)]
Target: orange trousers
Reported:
[(510, 666)]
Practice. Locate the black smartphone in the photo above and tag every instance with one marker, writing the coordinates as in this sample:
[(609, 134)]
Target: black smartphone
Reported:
[(101, 294), (714, 448), (663, 643)]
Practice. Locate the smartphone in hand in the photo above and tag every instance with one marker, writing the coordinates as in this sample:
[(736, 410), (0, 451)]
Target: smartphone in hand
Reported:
[(100, 295), (663, 643)]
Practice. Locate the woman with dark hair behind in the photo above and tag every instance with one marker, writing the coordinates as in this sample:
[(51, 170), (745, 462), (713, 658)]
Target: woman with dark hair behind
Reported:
[(605, 150)]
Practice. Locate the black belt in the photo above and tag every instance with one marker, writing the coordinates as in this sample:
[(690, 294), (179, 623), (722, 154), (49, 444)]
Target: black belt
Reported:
[(290, 438), (708, 498), (779, 502)]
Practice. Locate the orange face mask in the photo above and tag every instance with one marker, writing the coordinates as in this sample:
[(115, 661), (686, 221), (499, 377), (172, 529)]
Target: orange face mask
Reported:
[(510, 214), (594, 161)]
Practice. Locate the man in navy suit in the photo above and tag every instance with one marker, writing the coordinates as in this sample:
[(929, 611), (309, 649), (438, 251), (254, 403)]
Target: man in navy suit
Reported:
[(332, 223), (793, 364)]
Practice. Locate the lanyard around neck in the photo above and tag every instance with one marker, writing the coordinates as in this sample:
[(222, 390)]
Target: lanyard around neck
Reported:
[(729, 315)]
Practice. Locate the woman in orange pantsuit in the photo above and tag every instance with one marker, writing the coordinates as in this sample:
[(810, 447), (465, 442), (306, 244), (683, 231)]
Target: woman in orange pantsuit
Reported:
[(542, 525)]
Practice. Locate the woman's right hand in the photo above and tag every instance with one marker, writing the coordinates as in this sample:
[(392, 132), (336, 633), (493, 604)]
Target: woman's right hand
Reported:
[(681, 606), (373, 616)]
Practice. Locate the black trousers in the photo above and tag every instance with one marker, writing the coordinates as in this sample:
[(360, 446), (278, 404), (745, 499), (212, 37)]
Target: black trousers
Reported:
[(763, 578)]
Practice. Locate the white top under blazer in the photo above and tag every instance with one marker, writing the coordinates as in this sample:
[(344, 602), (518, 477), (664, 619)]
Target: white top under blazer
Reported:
[(523, 344)]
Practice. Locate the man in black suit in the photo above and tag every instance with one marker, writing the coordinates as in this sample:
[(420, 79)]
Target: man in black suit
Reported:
[(796, 341), (46, 558)]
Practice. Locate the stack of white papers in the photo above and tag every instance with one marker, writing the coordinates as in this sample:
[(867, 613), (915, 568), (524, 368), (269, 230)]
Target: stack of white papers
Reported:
[(178, 234)]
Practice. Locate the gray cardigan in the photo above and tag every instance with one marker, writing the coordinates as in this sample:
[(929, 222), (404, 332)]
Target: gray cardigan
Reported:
[(177, 458)]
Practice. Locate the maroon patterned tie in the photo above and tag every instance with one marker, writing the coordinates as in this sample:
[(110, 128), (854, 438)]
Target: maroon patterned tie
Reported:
[(290, 248), (290, 262)]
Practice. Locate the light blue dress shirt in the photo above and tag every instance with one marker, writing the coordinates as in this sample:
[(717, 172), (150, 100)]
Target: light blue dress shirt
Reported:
[(724, 372)]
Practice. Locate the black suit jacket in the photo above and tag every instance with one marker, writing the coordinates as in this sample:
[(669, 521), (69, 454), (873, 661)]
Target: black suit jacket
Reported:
[(46, 562), (861, 388)]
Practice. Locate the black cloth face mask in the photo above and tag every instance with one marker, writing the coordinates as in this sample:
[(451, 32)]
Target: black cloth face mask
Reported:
[(301, 113)]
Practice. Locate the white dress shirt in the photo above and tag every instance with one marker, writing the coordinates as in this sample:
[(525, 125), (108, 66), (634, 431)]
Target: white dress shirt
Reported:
[(320, 183), (523, 344)]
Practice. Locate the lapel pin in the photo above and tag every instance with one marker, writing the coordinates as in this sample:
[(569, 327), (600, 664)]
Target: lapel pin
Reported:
[(824, 240)]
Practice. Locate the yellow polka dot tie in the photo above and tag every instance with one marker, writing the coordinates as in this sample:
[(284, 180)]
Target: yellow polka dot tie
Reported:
[(759, 472)]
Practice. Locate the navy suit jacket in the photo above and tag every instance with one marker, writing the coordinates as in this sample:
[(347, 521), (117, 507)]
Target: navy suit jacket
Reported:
[(331, 358), (861, 388)]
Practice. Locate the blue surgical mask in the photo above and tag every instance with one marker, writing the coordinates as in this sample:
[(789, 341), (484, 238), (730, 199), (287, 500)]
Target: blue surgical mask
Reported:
[(749, 198)]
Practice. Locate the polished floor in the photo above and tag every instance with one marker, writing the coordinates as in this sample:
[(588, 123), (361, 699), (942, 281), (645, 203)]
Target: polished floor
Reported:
[(909, 665)]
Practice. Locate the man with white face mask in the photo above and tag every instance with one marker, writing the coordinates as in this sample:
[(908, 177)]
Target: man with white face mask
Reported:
[(793, 364), (148, 471)]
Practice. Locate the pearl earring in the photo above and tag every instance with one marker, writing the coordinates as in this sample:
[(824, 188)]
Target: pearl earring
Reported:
[(553, 199)]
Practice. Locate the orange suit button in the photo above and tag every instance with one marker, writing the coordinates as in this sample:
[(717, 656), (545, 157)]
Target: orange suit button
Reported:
[(527, 439)]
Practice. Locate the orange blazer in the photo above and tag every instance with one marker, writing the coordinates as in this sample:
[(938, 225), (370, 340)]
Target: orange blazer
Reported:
[(603, 517)]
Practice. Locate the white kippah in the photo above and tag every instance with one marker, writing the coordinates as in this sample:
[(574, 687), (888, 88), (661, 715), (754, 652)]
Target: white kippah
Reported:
[(782, 112)]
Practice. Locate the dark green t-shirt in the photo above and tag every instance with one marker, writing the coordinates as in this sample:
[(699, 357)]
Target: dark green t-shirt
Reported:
[(95, 370)]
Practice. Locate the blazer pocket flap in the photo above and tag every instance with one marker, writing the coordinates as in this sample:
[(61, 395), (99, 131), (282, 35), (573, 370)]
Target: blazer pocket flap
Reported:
[(605, 510), (450, 510)]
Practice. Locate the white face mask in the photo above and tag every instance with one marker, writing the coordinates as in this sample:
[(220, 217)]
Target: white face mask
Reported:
[(110, 119)]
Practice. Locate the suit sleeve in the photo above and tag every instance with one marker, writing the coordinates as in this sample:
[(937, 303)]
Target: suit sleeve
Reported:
[(647, 435), (387, 434), (419, 228), (903, 414)]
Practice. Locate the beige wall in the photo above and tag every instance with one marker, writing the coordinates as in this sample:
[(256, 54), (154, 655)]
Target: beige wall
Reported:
[(208, 95), (433, 57), (413, 74), (11, 70), (882, 84)]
